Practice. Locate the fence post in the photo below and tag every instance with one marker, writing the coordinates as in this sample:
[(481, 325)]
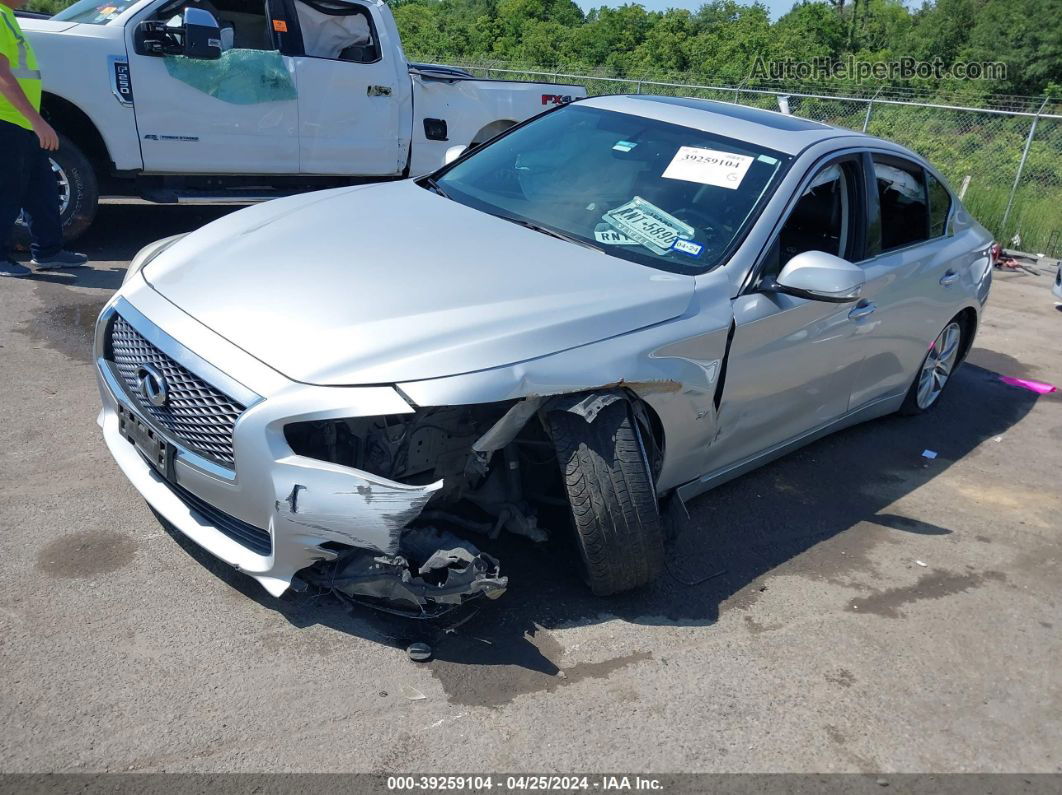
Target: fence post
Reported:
[(870, 107), (1021, 165), (638, 87)]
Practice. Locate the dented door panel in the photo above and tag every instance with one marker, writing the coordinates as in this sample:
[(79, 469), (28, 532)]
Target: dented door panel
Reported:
[(791, 369)]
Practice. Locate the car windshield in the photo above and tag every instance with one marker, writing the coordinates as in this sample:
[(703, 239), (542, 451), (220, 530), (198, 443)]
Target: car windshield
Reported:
[(93, 12), (661, 194)]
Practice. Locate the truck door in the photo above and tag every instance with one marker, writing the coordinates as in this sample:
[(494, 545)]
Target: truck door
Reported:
[(354, 89), (234, 115)]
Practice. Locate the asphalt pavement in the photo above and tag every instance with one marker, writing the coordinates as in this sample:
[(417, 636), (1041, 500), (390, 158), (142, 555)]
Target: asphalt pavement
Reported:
[(855, 606)]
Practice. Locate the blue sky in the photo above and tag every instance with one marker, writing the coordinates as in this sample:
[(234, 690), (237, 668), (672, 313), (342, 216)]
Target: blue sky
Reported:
[(777, 7)]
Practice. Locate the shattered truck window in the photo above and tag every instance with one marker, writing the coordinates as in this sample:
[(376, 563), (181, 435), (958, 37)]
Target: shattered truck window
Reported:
[(660, 194)]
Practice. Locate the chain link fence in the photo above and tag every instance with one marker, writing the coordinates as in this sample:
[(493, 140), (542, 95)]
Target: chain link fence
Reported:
[(1004, 160)]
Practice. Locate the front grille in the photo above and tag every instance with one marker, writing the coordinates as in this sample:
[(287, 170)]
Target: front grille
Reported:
[(254, 538), (196, 413)]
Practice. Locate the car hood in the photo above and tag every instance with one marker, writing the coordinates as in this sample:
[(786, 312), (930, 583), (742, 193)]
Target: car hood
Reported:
[(391, 282)]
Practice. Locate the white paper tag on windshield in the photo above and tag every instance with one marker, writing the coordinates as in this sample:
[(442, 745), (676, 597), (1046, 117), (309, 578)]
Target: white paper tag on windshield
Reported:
[(708, 167), (647, 224)]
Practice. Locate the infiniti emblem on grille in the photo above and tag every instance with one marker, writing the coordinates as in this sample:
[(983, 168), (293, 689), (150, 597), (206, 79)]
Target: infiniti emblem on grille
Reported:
[(152, 385)]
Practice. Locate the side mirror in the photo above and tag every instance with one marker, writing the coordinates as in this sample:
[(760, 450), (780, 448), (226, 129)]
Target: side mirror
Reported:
[(453, 153), (198, 36), (202, 34), (821, 277)]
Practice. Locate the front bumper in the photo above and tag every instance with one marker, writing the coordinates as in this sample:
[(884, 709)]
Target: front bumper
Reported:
[(296, 504)]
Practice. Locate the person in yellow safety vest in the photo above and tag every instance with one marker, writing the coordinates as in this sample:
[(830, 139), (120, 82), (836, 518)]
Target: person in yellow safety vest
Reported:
[(27, 184)]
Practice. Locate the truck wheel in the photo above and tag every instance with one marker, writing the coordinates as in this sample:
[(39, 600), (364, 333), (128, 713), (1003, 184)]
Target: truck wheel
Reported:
[(78, 193), (613, 502)]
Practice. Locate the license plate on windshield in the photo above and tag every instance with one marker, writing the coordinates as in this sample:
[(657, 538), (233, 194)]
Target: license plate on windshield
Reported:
[(155, 450), (647, 224)]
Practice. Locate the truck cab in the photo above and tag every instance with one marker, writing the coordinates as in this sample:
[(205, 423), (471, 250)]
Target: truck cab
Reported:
[(242, 100)]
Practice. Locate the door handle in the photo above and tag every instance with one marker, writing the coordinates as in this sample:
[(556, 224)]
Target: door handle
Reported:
[(862, 311), (949, 278)]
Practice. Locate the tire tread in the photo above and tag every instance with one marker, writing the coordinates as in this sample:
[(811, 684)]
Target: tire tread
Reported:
[(613, 503)]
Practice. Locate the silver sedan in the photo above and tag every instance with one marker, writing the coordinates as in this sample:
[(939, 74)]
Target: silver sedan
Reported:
[(601, 313)]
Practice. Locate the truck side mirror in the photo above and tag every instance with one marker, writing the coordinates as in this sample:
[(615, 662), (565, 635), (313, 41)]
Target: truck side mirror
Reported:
[(202, 34), (198, 36)]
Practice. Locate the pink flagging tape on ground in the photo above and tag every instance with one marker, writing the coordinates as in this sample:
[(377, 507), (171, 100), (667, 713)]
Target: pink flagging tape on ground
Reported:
[(1039, 387)]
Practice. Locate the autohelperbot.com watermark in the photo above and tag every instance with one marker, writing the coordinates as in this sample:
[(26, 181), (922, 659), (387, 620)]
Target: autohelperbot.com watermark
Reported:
[(852, 68)]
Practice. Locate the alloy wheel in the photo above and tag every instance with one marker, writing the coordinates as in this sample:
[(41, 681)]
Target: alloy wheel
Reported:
[(939, 363)]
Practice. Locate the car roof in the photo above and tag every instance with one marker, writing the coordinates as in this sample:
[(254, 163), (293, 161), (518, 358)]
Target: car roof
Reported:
[(778, 131)]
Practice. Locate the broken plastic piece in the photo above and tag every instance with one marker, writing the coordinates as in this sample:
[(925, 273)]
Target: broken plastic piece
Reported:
[(1039, 387), (434, 572), (412, 693), (352, 507)]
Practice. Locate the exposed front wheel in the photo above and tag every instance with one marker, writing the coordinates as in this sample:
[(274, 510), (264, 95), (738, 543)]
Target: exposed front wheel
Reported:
[(78, 193), (613, 502), (935, 372)]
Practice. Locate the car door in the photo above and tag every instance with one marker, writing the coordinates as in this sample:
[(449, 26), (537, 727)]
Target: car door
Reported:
[(910, 274), (792, 360), (234, 115), (352, 90)]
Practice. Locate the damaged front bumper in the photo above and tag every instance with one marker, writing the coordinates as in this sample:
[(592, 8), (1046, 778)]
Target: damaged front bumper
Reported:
[(272, 513)]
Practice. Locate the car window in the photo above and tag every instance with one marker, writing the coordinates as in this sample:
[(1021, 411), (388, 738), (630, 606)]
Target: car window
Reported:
[(902, 202), (820, 221), (939, 206), (661, 194)]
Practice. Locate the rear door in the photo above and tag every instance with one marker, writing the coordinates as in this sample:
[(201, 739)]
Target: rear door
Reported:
[(911, 284), (793, 361), (353, 91), (234, 115)]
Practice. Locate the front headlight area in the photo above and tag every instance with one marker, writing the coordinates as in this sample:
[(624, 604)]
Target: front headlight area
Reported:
[(443, 476), (148, 253)]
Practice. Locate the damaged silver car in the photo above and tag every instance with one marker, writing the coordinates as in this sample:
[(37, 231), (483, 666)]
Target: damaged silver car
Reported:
[(620, 303)]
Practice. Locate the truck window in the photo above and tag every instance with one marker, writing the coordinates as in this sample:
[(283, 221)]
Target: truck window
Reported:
[(243, 23), (337, 30)]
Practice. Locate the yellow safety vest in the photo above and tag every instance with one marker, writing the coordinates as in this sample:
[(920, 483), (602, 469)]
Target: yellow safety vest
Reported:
[(23, 63)]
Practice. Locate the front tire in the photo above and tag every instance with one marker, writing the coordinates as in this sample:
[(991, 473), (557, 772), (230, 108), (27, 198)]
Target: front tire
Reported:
[(613, 502), (78, 193), (934, 374)]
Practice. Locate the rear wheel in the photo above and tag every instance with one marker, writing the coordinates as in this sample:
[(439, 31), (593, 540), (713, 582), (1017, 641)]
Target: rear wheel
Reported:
[(935, 372), (78, 193), (613, 502)]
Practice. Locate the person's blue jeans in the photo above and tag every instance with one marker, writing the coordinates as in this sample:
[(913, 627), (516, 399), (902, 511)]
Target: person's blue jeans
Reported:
[(28, 185)]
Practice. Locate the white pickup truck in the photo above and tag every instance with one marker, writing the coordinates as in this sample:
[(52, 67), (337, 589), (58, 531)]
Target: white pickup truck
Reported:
[(218, 101)]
